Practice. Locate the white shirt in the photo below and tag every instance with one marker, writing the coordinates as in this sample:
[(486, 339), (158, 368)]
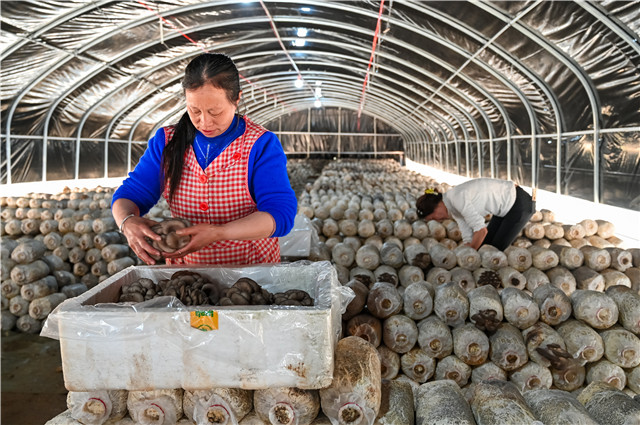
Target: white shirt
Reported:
[(468, 203)]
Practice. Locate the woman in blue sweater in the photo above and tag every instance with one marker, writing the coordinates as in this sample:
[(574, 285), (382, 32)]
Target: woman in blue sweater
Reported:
[(217, 169)]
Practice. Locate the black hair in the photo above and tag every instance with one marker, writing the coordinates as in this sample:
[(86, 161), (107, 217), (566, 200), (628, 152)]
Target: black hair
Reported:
[(209, 68), (427, 203)]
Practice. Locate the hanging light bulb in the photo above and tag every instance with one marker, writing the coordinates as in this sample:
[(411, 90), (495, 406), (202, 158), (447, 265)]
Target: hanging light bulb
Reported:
[(317, 103), (299, 83)]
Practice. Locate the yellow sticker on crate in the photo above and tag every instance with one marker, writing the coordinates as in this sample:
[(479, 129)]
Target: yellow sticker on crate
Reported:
[(204, 320)]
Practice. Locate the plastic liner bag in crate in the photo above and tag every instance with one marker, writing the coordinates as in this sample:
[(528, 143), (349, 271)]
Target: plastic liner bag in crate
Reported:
[(299, 240), (105, 345)]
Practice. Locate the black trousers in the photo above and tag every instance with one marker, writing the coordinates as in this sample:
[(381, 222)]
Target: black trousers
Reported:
[(502, 231)]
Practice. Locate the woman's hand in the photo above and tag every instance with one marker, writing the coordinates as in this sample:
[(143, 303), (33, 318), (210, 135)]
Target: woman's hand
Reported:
[(478, 238), (137, 229), (201, 234), (257, 225)]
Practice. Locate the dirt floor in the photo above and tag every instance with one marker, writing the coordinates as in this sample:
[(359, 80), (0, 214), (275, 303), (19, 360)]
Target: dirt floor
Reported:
[(33, 389)]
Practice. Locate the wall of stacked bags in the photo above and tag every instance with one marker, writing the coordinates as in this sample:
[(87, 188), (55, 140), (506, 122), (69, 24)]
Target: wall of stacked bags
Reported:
[(55, 247), (554, 313)]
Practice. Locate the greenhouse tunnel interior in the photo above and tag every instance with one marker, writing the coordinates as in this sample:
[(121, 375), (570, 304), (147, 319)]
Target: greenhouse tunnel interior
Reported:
[(544, 93)]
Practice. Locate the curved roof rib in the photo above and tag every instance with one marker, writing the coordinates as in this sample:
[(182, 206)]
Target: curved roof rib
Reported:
[(488, 74)]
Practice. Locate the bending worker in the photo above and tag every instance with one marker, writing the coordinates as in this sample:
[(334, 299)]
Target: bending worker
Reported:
[(468, 204), (215, 168)]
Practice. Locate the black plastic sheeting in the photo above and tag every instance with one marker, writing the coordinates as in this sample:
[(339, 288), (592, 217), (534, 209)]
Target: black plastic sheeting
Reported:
[(348, 144), (443, 71)]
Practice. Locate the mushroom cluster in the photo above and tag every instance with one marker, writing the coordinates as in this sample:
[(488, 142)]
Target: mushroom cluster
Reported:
[(192, 288), (293, 297), (246, 292), (559, 358), (140, 290), (171, 241), (487, 320), (189, 287), (489, 277)]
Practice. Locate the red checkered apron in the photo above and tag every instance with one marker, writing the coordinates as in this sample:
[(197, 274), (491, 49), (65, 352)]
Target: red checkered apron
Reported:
[(218, 195)]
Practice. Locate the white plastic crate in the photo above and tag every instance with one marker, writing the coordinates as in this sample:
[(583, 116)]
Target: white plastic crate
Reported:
[(154, 346)]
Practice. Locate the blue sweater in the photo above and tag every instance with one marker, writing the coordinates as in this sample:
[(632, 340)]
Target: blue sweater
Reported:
[(268, 180)]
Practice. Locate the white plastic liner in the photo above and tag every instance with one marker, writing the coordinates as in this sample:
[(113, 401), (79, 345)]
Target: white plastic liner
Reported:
[(298, 242)]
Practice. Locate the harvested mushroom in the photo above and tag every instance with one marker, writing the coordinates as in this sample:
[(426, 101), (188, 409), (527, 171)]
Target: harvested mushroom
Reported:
[(189, 287), (293, 297), (170, 241), (246, 291)]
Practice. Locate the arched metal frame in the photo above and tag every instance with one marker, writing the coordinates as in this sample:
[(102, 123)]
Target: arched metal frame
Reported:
[(584, 79), (442, 116), (138, 48), (394, 70), (283, 85)]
